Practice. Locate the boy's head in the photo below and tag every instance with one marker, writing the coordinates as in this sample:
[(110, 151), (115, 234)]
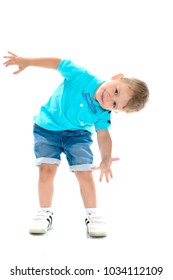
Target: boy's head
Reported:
[(122, 94)]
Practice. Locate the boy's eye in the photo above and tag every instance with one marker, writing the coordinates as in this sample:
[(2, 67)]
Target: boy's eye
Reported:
[(116, 91), (114, 105)]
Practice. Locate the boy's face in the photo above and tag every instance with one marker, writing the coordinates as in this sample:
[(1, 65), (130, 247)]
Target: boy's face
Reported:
[(113, 95)]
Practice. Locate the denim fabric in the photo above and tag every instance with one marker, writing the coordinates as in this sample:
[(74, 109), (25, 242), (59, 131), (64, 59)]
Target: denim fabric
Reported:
[(48, 146)]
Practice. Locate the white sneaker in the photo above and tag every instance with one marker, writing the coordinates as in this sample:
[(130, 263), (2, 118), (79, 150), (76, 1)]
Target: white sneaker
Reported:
[(96, 226), (42, 222)]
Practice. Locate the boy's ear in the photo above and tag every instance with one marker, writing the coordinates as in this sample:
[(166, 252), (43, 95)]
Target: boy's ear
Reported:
[(117, 77)]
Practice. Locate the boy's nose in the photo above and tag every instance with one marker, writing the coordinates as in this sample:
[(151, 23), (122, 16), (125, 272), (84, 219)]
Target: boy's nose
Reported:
[(111, 97)]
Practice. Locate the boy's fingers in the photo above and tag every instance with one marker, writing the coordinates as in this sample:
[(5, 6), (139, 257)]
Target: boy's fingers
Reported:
[(98, 167), (12, 53), (95, 168), (101, 176), (114, 159), (18, 71)]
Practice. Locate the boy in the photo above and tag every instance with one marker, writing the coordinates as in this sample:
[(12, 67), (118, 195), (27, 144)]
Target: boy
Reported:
[(64, 125)]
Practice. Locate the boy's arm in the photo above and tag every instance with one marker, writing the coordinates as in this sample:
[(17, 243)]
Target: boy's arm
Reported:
[(105, 147), (23, 62)]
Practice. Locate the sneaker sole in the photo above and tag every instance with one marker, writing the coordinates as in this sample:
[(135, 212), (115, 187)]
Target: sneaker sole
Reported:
[(39, 231), (96, 234)]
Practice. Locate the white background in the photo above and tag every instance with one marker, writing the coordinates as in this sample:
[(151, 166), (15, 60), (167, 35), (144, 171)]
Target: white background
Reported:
[(107, 37)]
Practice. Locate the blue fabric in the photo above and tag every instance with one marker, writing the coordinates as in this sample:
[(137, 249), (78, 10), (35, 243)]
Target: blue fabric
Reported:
[(72, 107), (76, 145)]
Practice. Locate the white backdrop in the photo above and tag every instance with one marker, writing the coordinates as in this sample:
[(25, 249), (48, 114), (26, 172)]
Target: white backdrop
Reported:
[(107, 37)]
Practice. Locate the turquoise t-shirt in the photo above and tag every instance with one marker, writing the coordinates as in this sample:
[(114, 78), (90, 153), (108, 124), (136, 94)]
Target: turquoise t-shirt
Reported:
[(72, 107)]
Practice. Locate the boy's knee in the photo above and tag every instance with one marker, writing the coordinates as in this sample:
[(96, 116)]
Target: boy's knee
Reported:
[(84, 175), (47, 171)]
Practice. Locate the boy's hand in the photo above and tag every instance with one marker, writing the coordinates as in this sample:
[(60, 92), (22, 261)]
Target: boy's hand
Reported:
[(105, 168), (23, 62), (13, 59)]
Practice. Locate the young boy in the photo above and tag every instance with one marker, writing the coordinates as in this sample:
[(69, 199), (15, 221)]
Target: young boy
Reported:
[(64, 125)]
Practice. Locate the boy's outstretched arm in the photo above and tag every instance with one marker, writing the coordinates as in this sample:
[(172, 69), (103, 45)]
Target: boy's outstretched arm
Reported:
[(105, 147), (23, 62)]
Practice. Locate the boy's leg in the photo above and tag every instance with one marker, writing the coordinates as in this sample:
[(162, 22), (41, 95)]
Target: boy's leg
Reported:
[(87, 188), (47, 149), (47, 174), (43, 219), (94, 222)]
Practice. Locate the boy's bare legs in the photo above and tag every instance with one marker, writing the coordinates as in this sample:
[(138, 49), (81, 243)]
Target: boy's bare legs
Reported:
[(42, 222), (87, 188), (95, 224), (47, 174)]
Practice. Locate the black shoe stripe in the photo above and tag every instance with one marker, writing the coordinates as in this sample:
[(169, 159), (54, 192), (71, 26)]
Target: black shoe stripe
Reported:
[(49, 220)]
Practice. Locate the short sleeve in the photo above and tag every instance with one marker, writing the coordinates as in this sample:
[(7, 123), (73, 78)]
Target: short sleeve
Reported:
[(70, 70), (104, 121)]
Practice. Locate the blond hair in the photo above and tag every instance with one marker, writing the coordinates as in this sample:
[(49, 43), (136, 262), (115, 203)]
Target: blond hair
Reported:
[(139, 97)]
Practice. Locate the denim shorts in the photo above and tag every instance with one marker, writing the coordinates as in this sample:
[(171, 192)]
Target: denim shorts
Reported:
[(76, 145)]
